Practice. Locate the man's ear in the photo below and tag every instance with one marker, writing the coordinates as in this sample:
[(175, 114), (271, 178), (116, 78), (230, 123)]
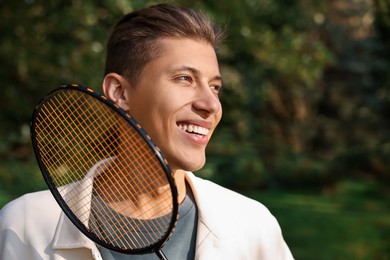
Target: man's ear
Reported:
[(115, 88)]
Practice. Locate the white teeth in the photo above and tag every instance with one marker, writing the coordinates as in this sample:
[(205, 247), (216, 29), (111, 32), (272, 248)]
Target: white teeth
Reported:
[(194, 129)]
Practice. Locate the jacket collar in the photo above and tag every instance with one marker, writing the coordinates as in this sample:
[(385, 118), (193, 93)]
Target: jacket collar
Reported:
[(212, 216), (68, 236), (211, 228)]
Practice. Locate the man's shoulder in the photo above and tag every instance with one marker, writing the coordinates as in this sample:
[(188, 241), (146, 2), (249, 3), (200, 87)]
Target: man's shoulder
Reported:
[(230, 202), (39, 205), (229, 214), (38, 198)]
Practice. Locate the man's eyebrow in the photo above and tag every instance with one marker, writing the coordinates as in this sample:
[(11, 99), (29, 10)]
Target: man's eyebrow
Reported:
[(219, 78), (193, 70)]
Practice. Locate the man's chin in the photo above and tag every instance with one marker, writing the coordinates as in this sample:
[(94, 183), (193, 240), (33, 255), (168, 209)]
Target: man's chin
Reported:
[(188, 166)]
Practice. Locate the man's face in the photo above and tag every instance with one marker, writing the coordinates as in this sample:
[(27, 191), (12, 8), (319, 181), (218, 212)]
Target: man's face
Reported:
[(176, 100)]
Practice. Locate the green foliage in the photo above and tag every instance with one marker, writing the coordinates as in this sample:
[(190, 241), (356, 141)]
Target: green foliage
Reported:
[(236, 171), (18, 177), (307, 93), (350, 222), (46, 44), (307, 90), (273, 65)]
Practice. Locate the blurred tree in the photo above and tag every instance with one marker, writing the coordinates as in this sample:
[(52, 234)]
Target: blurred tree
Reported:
[(45, 44), (273, 64), (356, 135), (306, 100)]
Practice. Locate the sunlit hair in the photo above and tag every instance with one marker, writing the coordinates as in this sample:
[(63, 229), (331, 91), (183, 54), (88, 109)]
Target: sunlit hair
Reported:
[(135, 38)]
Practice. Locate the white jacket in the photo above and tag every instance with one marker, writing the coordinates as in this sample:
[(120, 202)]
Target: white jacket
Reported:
[(230, 226)]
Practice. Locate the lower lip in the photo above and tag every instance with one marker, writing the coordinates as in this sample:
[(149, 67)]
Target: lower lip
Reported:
[(196, 139)]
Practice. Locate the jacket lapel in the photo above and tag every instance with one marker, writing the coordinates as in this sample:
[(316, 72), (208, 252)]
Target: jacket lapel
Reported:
[(212, 226), (68, 236)]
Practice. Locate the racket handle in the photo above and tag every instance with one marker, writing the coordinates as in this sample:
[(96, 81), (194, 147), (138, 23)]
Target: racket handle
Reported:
[(161, 255)]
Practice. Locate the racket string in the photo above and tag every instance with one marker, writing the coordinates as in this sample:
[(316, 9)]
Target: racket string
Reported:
[(145, 178), (85, 118), (96, 137), (73, 125)]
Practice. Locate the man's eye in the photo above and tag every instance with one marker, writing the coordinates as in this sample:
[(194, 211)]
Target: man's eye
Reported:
[(184, 78), (216, 88)]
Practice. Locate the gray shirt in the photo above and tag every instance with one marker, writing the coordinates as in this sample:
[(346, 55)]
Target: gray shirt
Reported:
[(181, 245)]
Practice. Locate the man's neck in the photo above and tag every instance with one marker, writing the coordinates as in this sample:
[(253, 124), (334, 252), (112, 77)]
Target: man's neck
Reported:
[(180, 182)]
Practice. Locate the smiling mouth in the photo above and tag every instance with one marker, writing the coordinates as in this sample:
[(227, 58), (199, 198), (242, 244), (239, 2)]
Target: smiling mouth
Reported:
[(194, 129)]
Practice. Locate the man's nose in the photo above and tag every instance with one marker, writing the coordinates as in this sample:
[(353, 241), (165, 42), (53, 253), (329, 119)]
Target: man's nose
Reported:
[(206, 100)]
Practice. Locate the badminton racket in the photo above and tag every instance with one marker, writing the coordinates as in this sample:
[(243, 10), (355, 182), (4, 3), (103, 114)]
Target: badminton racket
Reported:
[(104, 170)]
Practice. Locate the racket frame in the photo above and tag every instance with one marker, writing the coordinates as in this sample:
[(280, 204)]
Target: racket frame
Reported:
[(153, 248)]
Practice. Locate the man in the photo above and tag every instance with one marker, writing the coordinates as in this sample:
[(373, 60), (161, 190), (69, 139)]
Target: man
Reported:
[(162, 68)]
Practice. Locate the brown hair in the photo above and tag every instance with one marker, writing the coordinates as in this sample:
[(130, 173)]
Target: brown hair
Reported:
[(135, 39)]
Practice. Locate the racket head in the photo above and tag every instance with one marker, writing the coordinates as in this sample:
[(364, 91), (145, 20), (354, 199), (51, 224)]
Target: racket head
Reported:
[(100, 164)]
